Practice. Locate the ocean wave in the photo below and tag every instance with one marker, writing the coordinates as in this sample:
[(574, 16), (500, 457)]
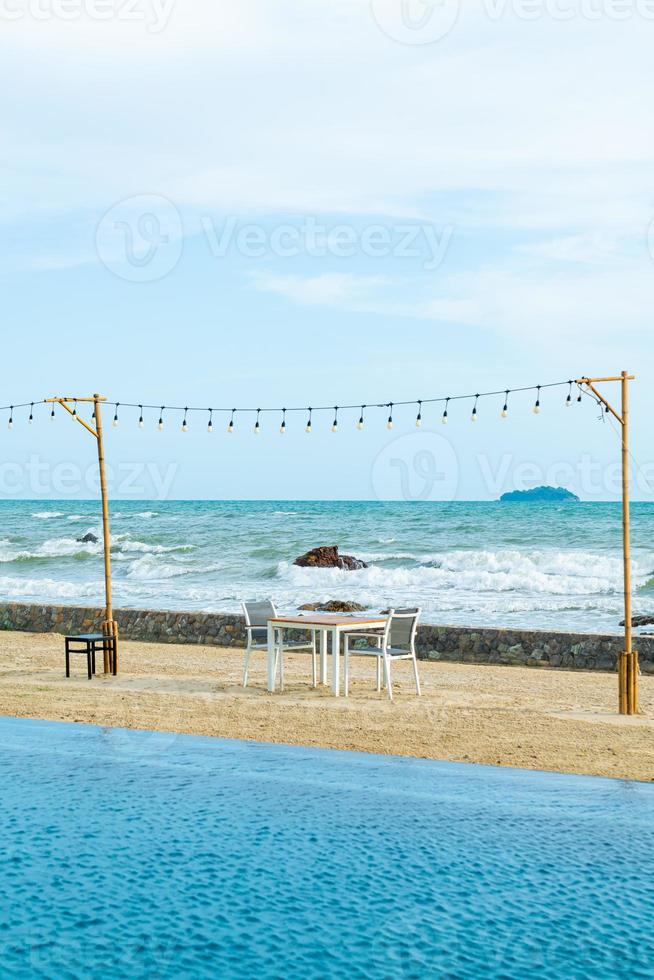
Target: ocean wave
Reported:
[(541, 573), (47, 515)]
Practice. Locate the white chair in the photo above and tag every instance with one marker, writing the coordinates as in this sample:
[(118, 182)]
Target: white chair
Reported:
[(257, 615), (397, 642)]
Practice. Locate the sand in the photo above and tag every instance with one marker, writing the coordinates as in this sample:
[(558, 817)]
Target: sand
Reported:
[(509, 716)]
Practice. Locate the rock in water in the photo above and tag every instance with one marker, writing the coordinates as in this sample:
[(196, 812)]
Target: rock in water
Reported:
[(640, 621), (88, 539), (334, 606), (328, 557)]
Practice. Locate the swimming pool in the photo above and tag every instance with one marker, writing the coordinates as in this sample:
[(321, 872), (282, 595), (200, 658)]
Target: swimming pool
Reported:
[(137, 854)]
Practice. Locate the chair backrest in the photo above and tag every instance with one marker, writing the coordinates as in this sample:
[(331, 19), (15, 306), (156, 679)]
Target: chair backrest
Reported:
[(401, 627), (258, 613)]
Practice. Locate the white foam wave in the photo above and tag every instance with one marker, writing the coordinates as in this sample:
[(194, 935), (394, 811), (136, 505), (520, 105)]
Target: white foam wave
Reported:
[(47, 515), (537, 572)]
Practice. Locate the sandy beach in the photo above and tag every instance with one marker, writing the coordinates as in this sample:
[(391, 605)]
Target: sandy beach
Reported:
[(509, 716)]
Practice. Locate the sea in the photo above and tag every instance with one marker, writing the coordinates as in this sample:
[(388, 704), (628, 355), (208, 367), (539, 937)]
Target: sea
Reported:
[(542, 566)]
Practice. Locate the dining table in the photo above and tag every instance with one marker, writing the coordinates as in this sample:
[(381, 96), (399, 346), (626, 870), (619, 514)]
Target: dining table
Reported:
[(325, 624)]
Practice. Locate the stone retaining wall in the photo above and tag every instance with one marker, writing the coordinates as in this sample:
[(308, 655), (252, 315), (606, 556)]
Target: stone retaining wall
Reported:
[(456, 644)]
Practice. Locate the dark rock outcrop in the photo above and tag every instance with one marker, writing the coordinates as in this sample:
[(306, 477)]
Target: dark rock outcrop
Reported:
[(334, 606), (328, 557), (640, 621), (88, 539)]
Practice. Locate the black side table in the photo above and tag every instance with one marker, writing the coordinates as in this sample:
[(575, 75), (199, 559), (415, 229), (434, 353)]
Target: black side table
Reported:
[(89, 644)]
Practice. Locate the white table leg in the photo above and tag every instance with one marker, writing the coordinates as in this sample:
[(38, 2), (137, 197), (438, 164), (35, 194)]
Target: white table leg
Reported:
[(336, 667), (271, 657), (323, 656)]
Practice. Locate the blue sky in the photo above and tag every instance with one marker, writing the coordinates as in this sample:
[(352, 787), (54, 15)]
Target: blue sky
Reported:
[(300, 203)]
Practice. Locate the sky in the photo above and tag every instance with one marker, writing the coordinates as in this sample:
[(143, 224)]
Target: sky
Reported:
[(282, 203)]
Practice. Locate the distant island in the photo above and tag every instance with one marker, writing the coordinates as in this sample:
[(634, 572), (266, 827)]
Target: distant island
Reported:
[(548, 495)]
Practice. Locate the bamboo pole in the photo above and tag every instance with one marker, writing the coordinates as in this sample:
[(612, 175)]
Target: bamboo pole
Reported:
[(109, 627), (629, 666), (628, 659)]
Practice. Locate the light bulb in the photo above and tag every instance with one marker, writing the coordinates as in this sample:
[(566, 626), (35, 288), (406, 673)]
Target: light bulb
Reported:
[(30, 419), (568, 401), (115, 423), (444, 419), (184, 426), (360, 424), (473, 417), (52, 415), (141, 423), (160, 425), (210, 427), (536, 409), (418, 421), (257, 429), (335, 427), (307, 428), (230, 428), (282, 429), (389, 424), (10, 424), (505, 412)]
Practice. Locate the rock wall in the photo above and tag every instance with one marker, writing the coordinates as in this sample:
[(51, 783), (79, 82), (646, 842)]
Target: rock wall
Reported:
[(455, 644)]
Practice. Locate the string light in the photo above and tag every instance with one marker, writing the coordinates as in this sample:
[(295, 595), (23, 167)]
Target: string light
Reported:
[(360, 424), (10, 423), (473, 417), (257, 427), (184, 422), (282, 428), (537, 405)]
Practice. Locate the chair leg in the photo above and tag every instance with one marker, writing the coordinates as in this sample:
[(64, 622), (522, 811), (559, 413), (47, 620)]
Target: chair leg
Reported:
[(89, 664), (67, 662), (246, 665), (281, 668), (346, 669), (415, 674), (314, 674), (379, 673), (387, 676)]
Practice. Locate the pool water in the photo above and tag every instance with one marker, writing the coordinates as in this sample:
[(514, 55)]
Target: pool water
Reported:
[(138, 854)]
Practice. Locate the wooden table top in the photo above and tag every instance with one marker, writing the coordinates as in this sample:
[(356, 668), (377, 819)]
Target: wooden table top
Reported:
[(330, 619)]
